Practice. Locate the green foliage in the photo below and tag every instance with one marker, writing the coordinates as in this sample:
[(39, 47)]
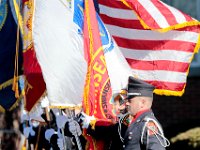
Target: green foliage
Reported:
[(192, 136)]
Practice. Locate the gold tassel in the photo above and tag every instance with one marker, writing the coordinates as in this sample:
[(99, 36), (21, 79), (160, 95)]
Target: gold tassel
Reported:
[(17, 90), (15, 86), (92, 123), (14, 83)]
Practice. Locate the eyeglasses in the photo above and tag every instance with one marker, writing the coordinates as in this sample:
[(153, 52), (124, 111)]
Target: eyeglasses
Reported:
[(121, 101)]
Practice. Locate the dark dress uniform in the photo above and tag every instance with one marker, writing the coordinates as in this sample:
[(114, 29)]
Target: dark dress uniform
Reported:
[(145, 133), (111, 134)]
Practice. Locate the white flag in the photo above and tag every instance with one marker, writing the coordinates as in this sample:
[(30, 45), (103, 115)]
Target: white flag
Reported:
[(59, 49)]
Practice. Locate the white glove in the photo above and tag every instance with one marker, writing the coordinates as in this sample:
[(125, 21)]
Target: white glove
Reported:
[(60, 143), (74, 128), (44, 102), (24, 116), (86, 120), (32, 132), (61, 121), (35, 123), (26, 131), (36, 115), (49, 133), (29, 130)]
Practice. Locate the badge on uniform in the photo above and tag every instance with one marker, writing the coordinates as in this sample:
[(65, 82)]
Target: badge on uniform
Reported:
[(152, 128)]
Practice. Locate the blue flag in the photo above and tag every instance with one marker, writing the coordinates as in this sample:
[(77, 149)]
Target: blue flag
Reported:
[(8, 38)]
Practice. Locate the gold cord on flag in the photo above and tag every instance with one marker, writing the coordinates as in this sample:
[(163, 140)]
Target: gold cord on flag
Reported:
[(15, 86)]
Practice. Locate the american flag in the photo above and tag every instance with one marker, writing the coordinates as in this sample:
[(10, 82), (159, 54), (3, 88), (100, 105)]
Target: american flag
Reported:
[(157, 40)]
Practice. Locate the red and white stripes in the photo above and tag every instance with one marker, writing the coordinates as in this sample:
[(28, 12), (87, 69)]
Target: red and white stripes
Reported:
[(158, 15), (160, 58)]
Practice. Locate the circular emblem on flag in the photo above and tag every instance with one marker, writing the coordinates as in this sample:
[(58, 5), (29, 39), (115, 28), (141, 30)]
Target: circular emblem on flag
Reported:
[(3, 12), (106, 98)]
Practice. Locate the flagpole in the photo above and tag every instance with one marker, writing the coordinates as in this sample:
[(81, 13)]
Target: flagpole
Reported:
[(47, 114)]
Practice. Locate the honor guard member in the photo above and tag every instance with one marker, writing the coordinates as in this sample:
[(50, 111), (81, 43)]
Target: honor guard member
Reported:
[(71, 133), (112, 133), (144, 131)]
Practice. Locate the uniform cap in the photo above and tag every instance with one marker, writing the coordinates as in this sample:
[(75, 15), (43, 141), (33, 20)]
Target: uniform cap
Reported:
[(138, 87)]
